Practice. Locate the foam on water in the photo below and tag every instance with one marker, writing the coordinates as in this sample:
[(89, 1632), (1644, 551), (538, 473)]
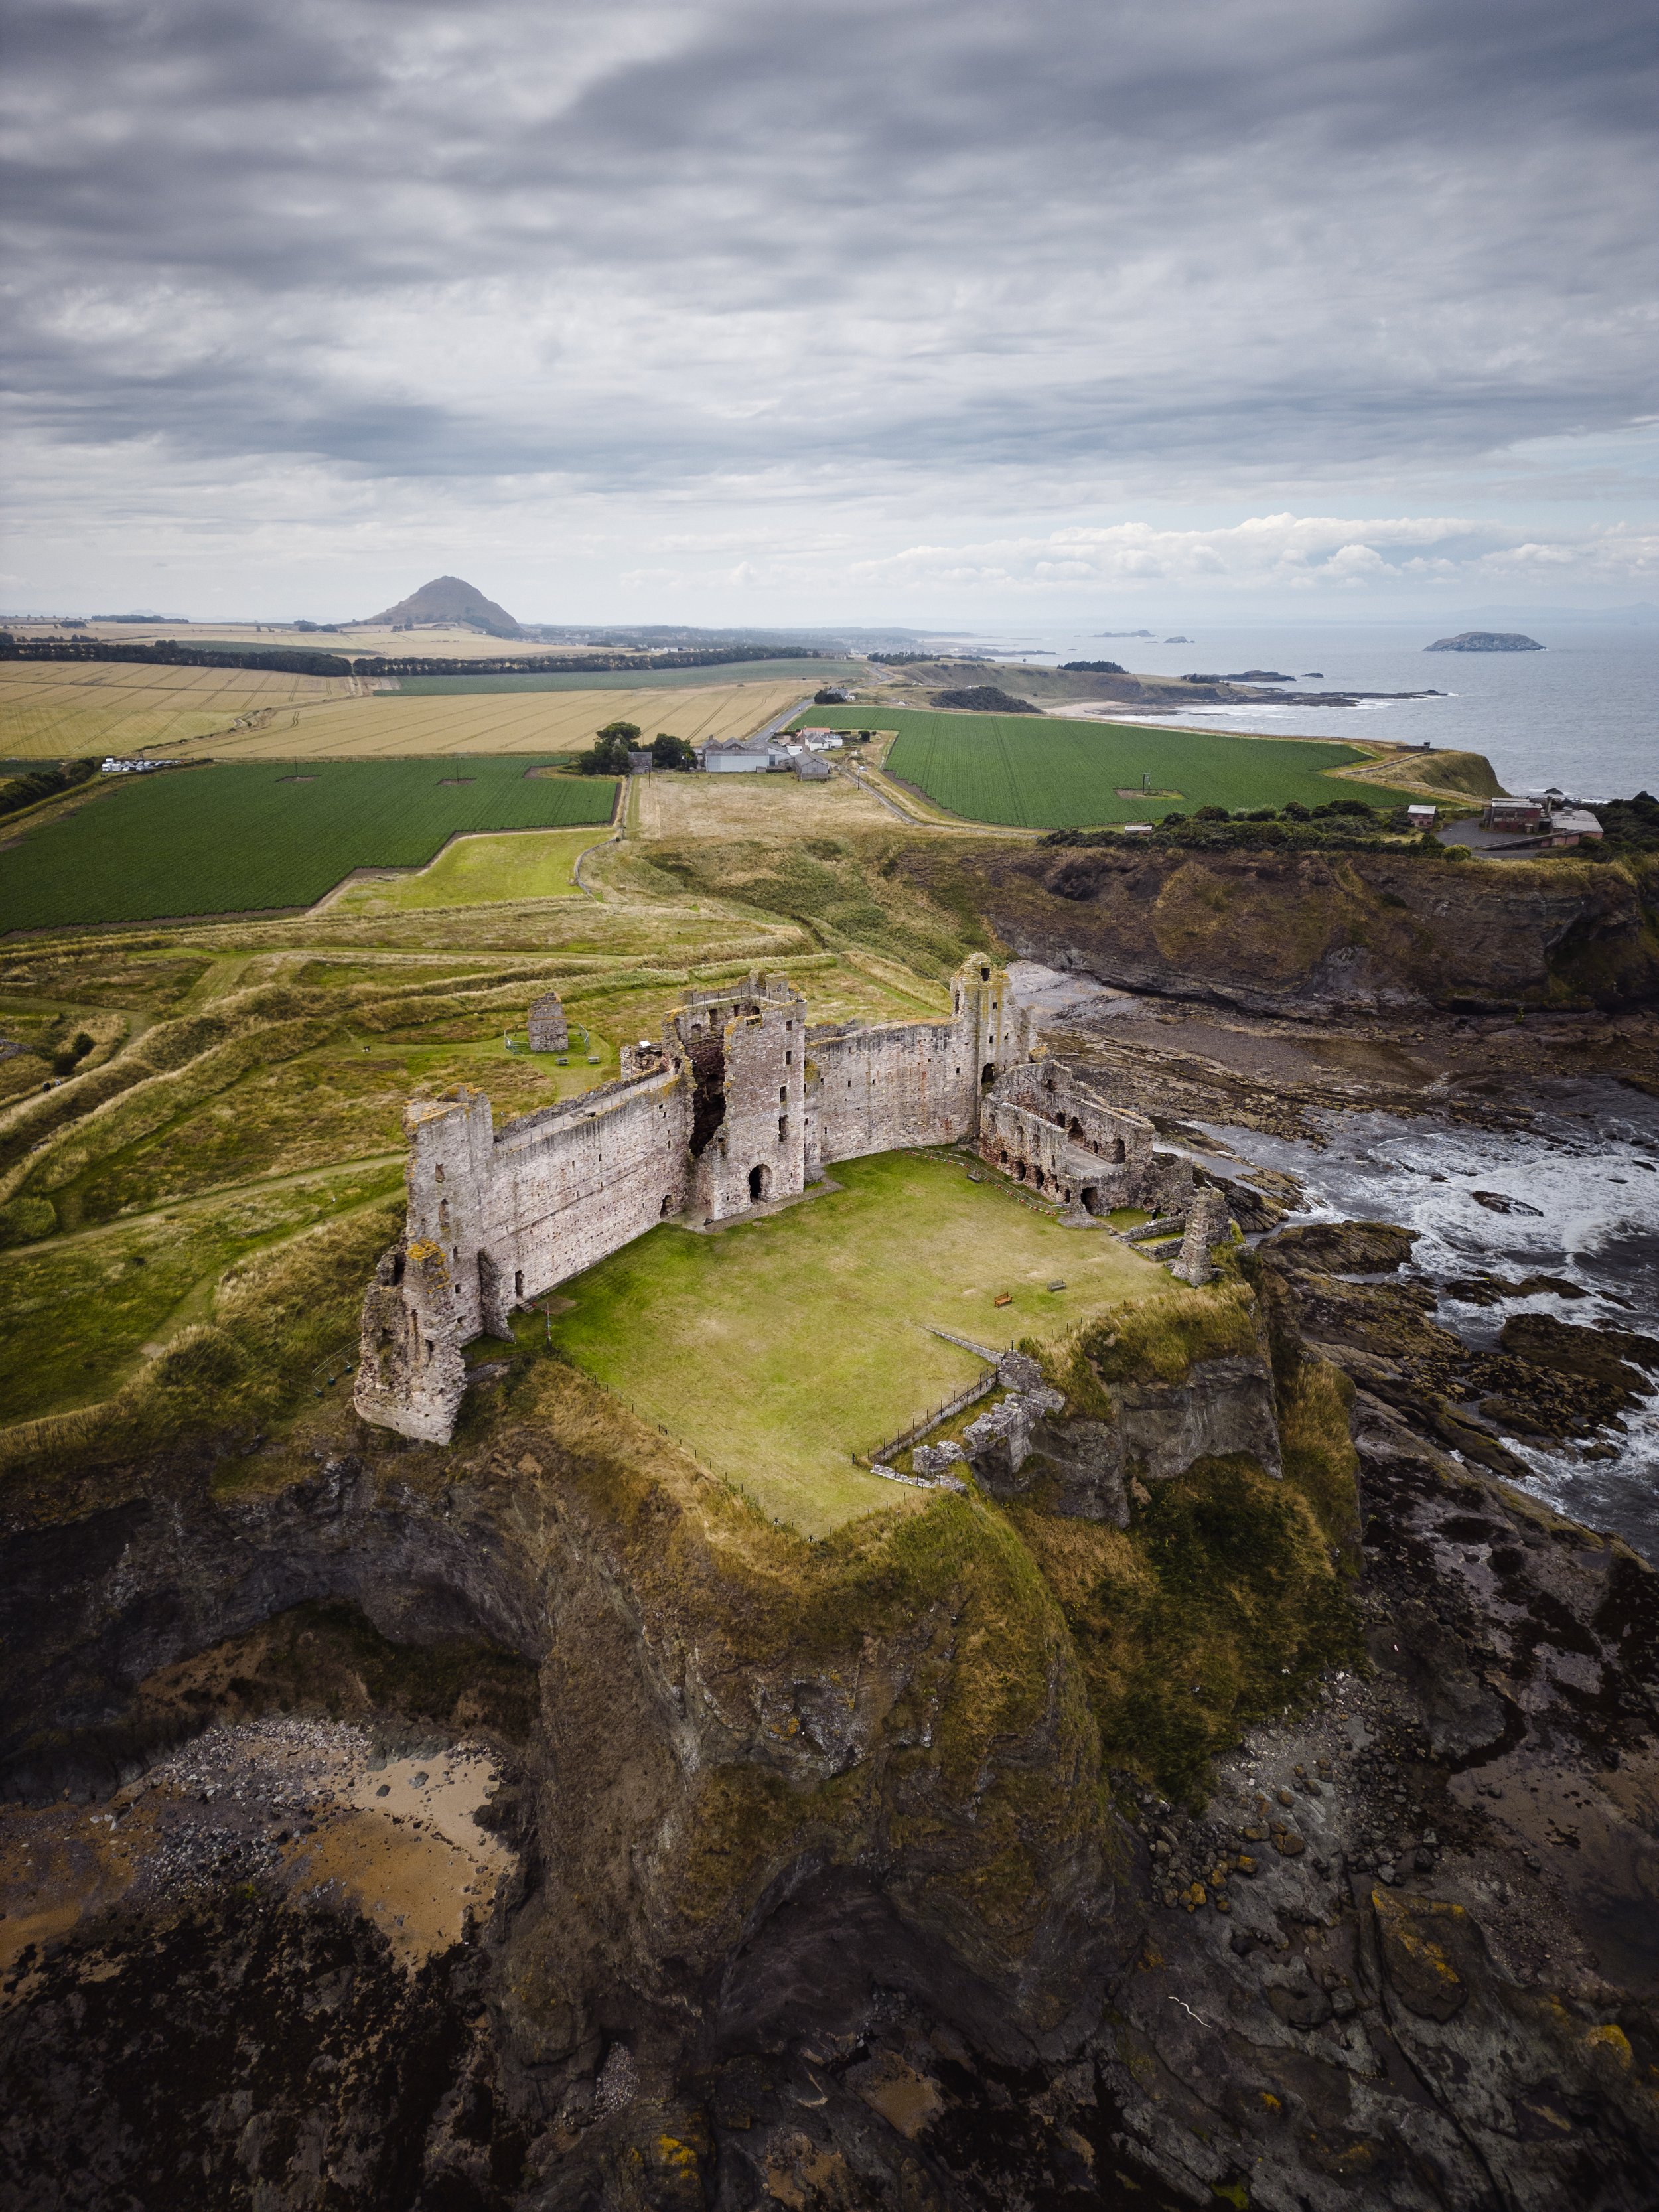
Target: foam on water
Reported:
[(1587, 1168)]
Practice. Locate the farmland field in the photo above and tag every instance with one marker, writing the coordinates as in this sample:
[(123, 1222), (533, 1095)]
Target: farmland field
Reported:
[(236, 838), (624, 679), (1035, 774), (51, 708), (390, 726)]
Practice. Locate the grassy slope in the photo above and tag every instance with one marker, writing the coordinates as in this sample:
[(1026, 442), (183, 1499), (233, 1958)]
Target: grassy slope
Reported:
[(480, 870), (1040, 775), (227, 839), (777, 1349), (76, 1312)]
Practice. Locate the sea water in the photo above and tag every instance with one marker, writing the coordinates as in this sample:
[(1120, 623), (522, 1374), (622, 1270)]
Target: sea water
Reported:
[(1583, 1178), (1582, 715)]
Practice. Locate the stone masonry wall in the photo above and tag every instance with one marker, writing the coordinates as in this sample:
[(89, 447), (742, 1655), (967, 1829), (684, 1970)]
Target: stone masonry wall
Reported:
[(549, 1031), (1041, 1125), (900, 1084)]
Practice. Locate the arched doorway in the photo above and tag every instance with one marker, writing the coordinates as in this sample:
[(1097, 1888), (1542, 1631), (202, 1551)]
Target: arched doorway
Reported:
[(760, 1185)]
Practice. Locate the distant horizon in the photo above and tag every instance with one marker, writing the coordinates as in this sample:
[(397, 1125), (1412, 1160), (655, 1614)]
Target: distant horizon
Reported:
[(1636, 614)]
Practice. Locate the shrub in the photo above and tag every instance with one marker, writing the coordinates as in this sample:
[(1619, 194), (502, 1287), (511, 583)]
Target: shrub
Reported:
[(69, 1058), (26, 1220)]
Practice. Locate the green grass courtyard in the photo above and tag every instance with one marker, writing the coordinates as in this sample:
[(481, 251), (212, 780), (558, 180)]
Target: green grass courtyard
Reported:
[(777, 1348)]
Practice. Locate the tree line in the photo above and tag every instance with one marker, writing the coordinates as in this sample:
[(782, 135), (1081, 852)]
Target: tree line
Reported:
[(300, 660), (613, 744)]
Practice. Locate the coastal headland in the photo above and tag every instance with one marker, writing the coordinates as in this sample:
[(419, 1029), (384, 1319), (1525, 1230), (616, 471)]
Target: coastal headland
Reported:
[(1213, 1770)]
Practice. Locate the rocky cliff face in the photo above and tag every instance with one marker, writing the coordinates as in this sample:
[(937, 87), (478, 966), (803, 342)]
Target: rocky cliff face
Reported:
[(878, 1871), (1305, 933)]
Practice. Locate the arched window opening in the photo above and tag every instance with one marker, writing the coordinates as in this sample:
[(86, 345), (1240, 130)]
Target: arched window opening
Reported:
[(667, 1204), (518, 1283), (989, 1075), (760, 1185)]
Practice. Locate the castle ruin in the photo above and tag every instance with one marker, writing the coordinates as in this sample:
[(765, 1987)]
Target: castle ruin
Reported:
[(740, 1104)]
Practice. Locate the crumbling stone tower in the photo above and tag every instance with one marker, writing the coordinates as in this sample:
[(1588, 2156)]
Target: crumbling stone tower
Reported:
[(548, 1028), (747, 1054)]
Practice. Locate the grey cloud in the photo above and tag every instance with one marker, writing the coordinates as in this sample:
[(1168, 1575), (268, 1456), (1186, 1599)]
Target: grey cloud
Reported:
[(1061, 239)]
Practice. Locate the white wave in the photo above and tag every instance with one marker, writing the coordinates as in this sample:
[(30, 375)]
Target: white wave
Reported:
[(1586, 1171)]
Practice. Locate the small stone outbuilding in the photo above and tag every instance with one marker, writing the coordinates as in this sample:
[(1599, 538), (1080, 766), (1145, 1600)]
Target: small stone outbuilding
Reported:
[(548, 1030)]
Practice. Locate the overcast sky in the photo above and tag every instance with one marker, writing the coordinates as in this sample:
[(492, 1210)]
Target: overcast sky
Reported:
[(933, 311)]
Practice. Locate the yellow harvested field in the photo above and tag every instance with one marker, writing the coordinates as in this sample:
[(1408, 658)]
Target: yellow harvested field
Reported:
[(394, 725), (450, 642), (49, 708), (749, 806)]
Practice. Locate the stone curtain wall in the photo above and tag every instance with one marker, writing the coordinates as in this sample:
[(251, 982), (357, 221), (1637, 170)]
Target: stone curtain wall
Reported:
[(570, 1186), (883, 1089), (904, 1084), (743, 1105)]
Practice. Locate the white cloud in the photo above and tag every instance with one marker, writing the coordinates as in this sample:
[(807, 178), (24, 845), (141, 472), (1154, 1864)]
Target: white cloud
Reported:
[(907, 298)]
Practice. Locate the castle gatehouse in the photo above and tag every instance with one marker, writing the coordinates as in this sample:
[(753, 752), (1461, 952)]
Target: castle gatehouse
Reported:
[(740, 1102)]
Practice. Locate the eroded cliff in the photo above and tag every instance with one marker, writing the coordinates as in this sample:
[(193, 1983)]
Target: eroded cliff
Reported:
[(1312, 933), (887, 1869)]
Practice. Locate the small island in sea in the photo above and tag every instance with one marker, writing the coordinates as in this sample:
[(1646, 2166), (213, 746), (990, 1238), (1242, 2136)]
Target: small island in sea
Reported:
[(1486, 640)]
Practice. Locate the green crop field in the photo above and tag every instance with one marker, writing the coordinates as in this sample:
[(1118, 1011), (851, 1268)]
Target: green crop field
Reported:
[(251, 834), (1036, 774), (633, 679)]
